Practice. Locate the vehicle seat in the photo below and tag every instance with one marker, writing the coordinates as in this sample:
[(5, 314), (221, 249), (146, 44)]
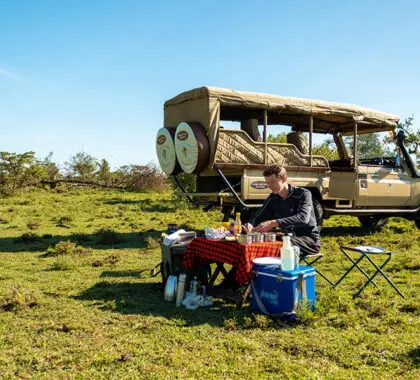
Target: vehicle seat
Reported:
[(297, 138)]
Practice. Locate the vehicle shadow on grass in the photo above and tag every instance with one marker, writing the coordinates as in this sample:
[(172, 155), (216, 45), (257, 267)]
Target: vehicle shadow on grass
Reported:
[(104, 239), (147, 299), (148, 205), (345, 231), (107, 239), (414, 356)]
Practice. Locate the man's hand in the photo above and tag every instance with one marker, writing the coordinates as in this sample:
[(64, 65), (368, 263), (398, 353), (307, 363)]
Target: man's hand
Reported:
[(248, 227), (266, 226)]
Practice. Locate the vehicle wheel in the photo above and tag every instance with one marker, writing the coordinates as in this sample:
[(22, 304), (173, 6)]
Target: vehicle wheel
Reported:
[(417, 221), (319, 213), (192, 147), (372, 222), (165, 150)]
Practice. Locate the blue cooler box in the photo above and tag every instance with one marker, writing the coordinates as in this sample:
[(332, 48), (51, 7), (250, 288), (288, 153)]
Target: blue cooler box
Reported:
[(273, 289)]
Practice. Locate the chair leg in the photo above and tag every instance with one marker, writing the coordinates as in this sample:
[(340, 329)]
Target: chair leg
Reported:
[(310, 263), (355, 264), (379, 270), (244, 296)]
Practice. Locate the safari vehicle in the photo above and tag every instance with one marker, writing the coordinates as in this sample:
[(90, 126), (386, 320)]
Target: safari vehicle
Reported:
[(221, 136)]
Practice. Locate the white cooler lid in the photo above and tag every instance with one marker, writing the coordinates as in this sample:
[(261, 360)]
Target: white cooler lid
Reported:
[(267, 261)]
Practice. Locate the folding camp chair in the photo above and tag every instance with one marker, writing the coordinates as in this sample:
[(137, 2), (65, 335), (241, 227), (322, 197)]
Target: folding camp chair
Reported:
[(365, 252), (310, 260)]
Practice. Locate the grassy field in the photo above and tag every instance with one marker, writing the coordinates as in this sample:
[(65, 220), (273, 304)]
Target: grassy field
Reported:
[(73, 303)]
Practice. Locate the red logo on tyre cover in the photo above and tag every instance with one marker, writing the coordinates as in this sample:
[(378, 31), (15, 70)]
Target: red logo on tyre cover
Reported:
[(161, 139), (182, 135)]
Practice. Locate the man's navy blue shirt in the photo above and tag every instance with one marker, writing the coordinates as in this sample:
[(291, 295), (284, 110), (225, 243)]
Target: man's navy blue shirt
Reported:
[(294, 213)]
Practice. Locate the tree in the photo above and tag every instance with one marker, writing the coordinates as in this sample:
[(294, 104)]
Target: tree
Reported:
[(326, 149), (140, 177), (82, 165), (368, 145), (18, 170), (104, 172), (51, 168), (412, 137), (281, 138)]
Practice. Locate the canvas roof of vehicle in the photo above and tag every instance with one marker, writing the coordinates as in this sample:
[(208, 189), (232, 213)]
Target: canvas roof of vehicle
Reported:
[(328, 116)]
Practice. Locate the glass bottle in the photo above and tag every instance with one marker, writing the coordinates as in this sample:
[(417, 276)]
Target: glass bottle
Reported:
[(238, 224)]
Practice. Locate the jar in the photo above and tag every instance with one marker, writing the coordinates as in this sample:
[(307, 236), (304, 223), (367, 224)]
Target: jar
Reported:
[(257, 237), (269, 236)]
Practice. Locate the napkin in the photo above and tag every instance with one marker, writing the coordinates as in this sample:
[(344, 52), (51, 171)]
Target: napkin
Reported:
[(173, 238)]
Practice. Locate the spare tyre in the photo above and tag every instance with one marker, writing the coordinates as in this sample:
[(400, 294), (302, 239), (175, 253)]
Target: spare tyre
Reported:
[(165, 149), (192, 147)]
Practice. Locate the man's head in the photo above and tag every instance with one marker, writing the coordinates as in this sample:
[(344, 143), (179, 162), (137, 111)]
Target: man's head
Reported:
[(276, 177)]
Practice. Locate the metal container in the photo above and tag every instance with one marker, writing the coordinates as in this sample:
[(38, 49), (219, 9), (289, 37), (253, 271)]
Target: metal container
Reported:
[(194, 286), (257, 237), (245, 239), (170, 288), (269, 236), (180, 289)]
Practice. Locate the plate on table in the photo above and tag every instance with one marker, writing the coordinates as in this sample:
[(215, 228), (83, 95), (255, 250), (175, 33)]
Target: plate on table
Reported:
[(267, 261)]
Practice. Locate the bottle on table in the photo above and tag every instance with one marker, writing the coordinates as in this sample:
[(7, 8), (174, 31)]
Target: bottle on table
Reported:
[(238, 224), (287, 253)]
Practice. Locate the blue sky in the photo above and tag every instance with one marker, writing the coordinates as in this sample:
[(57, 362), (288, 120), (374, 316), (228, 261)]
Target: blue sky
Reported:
[(92, 76)]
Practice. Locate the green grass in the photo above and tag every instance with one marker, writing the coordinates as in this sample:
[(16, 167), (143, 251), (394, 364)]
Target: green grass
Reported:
[(73, 302)]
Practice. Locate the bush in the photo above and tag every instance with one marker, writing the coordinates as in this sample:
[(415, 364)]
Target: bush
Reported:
[(108, 236), (65, 220), (33, 225), (66, 248), (62, 263), (18, 298)]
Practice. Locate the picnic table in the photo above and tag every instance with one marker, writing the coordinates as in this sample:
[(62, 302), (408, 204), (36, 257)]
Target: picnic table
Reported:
[(201, 251)]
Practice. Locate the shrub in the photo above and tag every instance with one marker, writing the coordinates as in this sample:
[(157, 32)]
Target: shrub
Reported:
[(108, 236), (67, 248), (33, 225), (18, 298), (152, 243), (62, 263), (65, 220)]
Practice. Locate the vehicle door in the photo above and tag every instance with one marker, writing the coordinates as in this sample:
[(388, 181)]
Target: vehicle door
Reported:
[(382, 186)]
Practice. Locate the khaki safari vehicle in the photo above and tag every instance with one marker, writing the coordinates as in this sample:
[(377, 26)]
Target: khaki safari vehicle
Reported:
[(220, 135)]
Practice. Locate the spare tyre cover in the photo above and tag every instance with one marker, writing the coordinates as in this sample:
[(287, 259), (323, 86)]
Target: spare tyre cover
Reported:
[(192, 147), (165, 149)]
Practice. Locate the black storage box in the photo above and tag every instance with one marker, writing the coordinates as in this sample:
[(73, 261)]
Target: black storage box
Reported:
[(172, 260), (171, 264)]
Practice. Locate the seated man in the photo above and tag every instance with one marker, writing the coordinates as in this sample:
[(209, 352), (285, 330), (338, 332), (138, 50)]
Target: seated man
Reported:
[(289, 208)]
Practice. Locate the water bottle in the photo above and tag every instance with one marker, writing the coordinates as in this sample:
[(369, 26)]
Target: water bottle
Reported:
[(287, 253), (180, 290)]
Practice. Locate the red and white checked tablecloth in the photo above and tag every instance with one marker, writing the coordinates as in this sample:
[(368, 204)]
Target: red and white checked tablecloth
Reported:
[(202, 250)]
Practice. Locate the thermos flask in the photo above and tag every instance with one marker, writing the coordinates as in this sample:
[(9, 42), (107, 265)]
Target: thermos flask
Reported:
[(180, 289)]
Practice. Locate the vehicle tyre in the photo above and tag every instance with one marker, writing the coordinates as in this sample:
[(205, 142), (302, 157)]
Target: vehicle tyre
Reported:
[(165, 150), (372, 222), (192, 147), (319, 213), (417, 221)]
